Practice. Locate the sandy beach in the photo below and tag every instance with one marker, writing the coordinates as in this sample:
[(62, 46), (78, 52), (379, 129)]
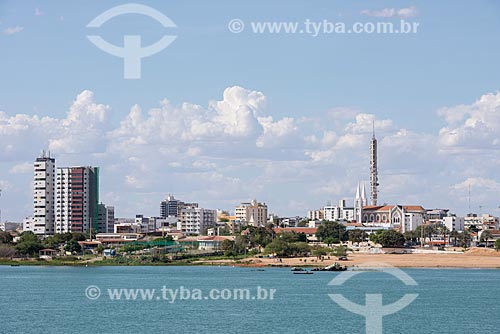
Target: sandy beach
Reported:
[(473, 258)]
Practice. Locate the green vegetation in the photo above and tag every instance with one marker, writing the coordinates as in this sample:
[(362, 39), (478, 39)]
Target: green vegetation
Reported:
[(388, 238), (331, 232), (497, 245), (357, 235), (282, 248), (73, 246), (28, 244)]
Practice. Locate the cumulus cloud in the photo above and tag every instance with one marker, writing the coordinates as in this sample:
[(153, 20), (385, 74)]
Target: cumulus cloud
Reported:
[(21, 168), (234, 148), (38, 12), (472, 127), (13, 30), (392, 12)]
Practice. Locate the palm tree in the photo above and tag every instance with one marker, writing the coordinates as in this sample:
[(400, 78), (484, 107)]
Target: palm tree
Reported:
[(485, 236), (455, 235)]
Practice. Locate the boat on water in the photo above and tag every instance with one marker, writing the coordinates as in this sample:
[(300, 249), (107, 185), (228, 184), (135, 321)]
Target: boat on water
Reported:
[(333, 267), (300, 271)]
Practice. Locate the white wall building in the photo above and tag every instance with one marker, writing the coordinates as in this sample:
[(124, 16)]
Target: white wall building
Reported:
[(339, 212), (43, 196), (454, 223), (195, 220), (253, 213)]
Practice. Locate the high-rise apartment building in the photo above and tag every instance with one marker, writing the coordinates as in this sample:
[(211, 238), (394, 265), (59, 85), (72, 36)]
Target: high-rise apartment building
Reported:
[(253, 213), (194, 220), (77, 198), (43, 196), (172, 207)]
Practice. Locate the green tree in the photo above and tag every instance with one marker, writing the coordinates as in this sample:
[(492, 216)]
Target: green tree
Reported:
[(464, 239), (292, 236), (331, 232), (284, 249), (454, 235), (28, 244), (259, 236), (303, 223), (5, 237), (388, 238), (497, 245), (79, 236), (73, 246), (357, 235), (486, 236)]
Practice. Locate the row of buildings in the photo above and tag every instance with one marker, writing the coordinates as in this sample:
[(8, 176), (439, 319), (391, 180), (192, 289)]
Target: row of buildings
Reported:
[(66, 199)]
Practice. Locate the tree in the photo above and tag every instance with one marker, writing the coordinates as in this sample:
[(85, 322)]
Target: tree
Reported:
[(357, 235), (486, 236), (292, 236), (331, 232), (5, 237), (303, 223), (28, 244), (284, 249), (79, 236), (454, 235), (259, 236), (497, 245), (73, 246), (464, 239), (388, 238)]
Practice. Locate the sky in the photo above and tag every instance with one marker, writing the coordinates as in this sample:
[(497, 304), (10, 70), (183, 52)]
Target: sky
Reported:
[(219, 117)]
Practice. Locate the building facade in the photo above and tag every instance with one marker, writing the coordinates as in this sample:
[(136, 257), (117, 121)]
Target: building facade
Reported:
[(43, 196), (196, 221), (253, 213), (77, 198)]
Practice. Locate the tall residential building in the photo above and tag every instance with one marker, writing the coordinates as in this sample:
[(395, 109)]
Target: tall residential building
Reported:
[(194, 220), (253, 213), (77, 198), (43, 196), (172, 207), (105, 218)]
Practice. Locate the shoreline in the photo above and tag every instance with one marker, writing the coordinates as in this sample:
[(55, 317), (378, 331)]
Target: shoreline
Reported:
[(471, 260)]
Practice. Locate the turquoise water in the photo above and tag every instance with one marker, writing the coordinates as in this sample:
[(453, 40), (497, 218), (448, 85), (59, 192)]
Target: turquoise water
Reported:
[(52, 300)]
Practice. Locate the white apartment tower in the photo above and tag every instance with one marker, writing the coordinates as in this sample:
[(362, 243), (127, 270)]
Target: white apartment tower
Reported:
[(43, 195)]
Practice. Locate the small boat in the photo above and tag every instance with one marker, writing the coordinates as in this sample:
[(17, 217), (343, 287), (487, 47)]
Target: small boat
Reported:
[(302, 273), (15, 265), (333, 267), (297, 269)]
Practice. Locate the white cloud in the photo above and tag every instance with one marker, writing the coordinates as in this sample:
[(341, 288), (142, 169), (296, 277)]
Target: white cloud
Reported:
[(234, 148), (22, 168), (38, 12), (392, 12), (13, 30), (472, 127)]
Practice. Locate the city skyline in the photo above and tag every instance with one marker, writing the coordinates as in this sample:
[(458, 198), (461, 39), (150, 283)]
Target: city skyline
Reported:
[(292, 131)]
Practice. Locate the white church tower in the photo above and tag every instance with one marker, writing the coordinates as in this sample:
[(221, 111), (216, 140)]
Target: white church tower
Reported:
[(360, 201)]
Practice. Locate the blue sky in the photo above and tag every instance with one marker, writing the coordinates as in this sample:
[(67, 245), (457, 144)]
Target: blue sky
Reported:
[(325, 90)]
